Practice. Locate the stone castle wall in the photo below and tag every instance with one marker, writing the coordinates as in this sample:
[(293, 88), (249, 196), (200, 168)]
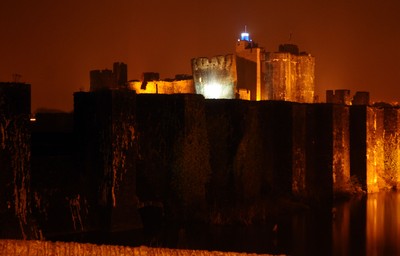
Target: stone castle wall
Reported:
[(289, 77), (215, 77), (220, 161), (304, 91), (15, 160), (163, 87)]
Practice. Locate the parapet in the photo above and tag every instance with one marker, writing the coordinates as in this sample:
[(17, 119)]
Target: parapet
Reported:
[(341, 96), (361, 98)]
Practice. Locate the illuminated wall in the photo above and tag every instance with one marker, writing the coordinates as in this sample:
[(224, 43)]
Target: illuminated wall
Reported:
[(304, 91), (215, 78), (249, 69), (366, 143), (289, 77), (375, 149), (162, 86), (391, 145)]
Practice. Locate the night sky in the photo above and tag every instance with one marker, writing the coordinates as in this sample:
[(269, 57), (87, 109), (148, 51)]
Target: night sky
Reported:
[(54, 44)]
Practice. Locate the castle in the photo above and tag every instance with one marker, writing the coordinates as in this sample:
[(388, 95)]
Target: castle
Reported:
[(129, 145), (250, 73)]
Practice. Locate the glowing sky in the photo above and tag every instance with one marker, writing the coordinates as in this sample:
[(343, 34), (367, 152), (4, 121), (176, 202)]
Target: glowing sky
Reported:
[(54, 44)]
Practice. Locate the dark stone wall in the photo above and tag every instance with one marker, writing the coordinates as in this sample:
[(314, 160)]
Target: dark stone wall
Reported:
[(250, 157), (105, 129), (319, 152), (15, 208), (223, 161), (358, 143), (173, 156), (54, 176)]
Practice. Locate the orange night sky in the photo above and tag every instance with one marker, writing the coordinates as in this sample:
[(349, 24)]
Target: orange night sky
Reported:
[(54, 44)]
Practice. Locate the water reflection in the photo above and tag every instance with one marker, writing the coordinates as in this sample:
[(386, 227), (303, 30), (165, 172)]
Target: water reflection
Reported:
[(368, 225), (383, 224)]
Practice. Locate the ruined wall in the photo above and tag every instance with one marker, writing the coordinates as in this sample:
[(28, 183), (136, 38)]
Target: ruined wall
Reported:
[(215, 77), (15, 153), (105, 129), (163, 87)]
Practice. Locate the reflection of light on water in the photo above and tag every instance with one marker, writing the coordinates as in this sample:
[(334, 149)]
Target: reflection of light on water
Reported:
[(383, 224), (367, 226)]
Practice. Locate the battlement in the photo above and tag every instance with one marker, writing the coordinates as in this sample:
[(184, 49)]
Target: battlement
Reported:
[(109, 79), (222, 62)]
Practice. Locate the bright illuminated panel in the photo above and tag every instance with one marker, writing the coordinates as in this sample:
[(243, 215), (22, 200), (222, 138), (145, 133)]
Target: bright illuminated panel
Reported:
[(214, 91), (245, 36)]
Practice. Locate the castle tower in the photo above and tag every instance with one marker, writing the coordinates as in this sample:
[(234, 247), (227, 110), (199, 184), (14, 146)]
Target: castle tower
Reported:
[(248, 60), (215, 77), (109, 79), (120, 71), (289, 75)]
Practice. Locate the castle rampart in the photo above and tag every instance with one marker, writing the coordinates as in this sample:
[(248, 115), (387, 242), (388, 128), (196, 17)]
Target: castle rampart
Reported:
[(220, 161)]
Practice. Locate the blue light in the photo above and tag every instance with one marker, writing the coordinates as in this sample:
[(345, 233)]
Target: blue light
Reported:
[(245, 36)]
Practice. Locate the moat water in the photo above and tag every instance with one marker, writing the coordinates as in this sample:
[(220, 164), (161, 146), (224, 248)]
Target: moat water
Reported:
[(368, 225)]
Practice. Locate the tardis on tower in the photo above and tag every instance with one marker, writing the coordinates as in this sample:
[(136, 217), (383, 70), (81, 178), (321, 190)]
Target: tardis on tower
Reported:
[(245, 36), (249, 59)]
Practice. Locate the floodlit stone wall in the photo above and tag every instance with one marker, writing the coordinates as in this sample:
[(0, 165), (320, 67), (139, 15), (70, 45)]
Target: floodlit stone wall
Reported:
[(215, 77), (366, 144), (304, 90), (162, 87), (289, 77), (391, 146)]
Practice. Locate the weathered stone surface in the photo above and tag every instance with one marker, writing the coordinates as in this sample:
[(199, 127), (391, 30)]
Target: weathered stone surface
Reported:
[(15, 154), (173, 155), (105, 129), (366, 146)]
